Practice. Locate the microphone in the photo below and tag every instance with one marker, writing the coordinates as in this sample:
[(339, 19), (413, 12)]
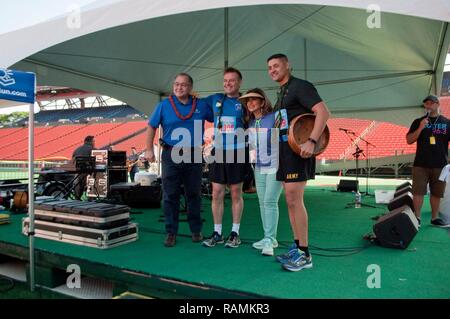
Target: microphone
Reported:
[(428, 113)]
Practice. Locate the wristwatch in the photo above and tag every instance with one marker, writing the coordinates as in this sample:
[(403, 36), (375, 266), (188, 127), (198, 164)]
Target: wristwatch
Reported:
[(312, 140)]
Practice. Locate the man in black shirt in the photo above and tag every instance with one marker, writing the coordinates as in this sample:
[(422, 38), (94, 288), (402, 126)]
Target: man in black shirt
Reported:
[(296, 97), (83, 150), (86, 148), (432, 133)]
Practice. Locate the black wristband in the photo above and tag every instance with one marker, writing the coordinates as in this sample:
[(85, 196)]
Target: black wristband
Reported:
[(312, 140)]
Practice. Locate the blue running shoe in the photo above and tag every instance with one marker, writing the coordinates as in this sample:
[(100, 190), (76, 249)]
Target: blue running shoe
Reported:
[(215, 239), (284, 258), (298, 261), (233, 240)]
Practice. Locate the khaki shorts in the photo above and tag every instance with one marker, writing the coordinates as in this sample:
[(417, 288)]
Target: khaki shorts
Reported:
[(423, 176)]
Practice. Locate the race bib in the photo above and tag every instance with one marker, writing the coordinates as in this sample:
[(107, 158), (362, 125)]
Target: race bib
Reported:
[(281, 119), (228, 124)]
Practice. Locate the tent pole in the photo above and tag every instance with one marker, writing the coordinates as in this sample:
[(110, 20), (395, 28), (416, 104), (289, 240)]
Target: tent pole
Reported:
[(159, 139), (31, 191), (305, 59), (225, 38)]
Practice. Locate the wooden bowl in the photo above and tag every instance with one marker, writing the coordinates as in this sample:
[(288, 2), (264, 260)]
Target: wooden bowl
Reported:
[(300, 130)]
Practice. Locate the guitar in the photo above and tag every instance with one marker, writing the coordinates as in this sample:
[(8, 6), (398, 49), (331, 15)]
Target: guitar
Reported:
[(130, 163)]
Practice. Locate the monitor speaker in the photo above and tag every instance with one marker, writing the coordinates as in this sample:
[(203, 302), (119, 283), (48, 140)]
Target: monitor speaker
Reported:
[(397, 228), (346, 185)]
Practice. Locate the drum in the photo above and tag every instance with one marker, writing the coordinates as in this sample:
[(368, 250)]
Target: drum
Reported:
[(145, 178), (300, 130)]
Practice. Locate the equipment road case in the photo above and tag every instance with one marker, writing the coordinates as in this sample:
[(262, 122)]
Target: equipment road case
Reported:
[(83, 221), (84, 208), (84, 236)]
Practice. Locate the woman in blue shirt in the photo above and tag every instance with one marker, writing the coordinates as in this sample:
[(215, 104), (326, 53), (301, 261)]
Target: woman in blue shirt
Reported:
[(263, 138)]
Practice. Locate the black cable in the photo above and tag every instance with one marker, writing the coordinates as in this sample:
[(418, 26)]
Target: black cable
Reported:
[(340, 251)]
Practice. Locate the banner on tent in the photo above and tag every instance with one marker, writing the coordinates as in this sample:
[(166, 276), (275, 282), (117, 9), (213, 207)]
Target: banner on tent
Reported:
[(17, 86)]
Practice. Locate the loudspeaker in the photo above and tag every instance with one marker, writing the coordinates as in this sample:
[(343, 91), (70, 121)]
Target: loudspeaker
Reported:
[(144, 196), (402, 191), (407, 184), (135, 195), (399, 201), (397, 228), (346, 185), (117, 159), (117, 176)]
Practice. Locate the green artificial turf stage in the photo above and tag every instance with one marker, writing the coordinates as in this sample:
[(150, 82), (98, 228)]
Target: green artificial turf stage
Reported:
[(421, 271)]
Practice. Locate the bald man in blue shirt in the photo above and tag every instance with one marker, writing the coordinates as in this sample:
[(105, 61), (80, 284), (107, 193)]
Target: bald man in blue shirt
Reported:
[(182, 118)]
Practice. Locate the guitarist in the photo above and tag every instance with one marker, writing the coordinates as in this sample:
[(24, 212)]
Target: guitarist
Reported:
[(133, 163)]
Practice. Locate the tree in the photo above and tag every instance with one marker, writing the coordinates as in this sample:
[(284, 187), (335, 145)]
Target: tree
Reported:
[(13, 117)]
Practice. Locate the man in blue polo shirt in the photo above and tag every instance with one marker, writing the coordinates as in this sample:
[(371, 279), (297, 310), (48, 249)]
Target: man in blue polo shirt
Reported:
[(182, 118), (230, 156)]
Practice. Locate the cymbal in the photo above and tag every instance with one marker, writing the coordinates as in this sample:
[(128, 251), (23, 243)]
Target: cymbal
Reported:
[(300, 130)]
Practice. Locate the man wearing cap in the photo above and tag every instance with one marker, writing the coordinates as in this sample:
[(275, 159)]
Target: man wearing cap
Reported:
[(296, 97), (230, 157), (182, 118), (432, 133)]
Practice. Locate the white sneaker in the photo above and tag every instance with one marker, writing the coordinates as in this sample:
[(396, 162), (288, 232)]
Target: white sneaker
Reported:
[(259, 244), (267, 248), (274, 243)]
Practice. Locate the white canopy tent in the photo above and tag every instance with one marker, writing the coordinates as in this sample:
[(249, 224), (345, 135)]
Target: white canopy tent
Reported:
[(131, 49)]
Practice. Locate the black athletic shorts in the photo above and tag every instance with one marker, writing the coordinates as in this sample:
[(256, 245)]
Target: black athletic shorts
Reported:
[(293, 168), (229, 170)]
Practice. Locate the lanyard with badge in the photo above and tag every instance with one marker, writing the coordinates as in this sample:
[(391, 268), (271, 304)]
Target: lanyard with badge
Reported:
[(432, 137), (281, 118)]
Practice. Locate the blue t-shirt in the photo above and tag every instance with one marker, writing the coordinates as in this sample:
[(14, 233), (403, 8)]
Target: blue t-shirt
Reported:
[(178, 132), (264, 142), (228, 113)]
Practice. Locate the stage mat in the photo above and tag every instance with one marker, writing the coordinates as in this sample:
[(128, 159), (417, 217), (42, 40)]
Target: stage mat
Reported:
[(421, 271)]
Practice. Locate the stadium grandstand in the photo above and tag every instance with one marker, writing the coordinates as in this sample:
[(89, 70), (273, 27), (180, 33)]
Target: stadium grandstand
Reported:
[(67, 115)]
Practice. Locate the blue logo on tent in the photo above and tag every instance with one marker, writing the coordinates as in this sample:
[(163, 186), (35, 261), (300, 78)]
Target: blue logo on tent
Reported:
[(17, 86)]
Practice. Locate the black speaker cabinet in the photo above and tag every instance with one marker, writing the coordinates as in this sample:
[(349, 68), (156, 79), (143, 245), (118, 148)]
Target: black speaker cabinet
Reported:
[(117, 176), (346, 185), (117, 159), (399, 201), (407, 184), (135, 195), (397, 228), (144, 196), (402, 191)]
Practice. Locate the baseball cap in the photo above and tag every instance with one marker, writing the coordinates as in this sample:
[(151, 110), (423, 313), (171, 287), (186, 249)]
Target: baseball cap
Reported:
[(432, 98)]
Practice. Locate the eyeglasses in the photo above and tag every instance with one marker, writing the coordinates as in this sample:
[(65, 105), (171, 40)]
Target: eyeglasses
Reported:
[(183, 85)]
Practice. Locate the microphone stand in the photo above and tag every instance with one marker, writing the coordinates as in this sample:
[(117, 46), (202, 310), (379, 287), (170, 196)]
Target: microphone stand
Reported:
[(366, 193), (356, 155)]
